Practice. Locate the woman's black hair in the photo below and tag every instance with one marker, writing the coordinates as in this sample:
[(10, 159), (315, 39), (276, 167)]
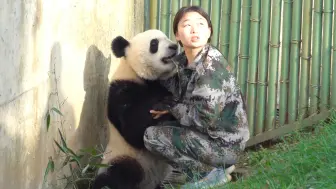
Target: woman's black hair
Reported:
[(187, 9)]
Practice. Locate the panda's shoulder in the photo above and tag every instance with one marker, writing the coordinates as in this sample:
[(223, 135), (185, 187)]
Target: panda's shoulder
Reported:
[(126, 86)]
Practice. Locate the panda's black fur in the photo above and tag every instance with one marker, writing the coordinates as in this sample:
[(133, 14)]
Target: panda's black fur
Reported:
[(129, 102)]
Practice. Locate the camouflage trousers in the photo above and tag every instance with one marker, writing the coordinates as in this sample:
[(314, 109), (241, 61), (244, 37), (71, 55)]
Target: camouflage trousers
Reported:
[(188, 148)]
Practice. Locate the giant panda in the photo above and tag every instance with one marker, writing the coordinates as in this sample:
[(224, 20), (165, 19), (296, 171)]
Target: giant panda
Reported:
[(134, 90)]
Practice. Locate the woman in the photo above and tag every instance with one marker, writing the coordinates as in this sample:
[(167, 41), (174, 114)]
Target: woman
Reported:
[(212, 127)]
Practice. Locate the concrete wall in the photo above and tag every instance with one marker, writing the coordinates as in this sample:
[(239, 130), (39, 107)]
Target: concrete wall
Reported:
[(55, 53)]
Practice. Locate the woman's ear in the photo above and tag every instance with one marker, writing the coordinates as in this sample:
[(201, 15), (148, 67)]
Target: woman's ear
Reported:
[(177, 37), (209, 32)]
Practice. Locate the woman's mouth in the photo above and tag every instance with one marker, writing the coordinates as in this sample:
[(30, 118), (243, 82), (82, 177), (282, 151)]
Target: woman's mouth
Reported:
[(194, 38)]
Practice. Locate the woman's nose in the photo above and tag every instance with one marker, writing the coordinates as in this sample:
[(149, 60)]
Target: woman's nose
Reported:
[(194, 29)]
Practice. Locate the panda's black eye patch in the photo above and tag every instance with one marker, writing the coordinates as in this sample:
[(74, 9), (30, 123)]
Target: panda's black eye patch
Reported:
[(154, 46)]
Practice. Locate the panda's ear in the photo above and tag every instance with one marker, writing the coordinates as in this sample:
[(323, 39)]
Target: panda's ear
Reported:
[(119, 45)]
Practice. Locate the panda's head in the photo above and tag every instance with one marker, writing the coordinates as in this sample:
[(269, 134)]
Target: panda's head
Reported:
[(148, 53)]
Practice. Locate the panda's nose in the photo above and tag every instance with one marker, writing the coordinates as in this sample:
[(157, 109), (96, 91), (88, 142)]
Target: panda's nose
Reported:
[(173, 47)]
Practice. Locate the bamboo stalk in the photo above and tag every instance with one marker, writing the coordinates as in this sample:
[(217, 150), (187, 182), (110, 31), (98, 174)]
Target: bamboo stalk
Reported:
[(159, 16), (262, 65), (285, 59), (165, 16), (225, 25), (146, 14), (215, 14), (316, 57), (244, 45), (305, 58), (333, 81), (326, 54), (254, 44), (153, 14), (186, 3), (273, 66), (205, 4), (196, 2), (294, 61), (174, 9), (234, 35)]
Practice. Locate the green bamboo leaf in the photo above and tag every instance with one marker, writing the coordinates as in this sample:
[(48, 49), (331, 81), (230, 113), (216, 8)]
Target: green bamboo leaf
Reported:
[(70, 167), (48, 120), (50, 168), (66, 161), (64, 146), (75, 160), (57, 111), (61, 148), (91, 151), (63, 141), (72, 152), (52, 164)]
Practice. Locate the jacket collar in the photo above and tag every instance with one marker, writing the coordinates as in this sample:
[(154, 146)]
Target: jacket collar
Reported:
[(200, 57)]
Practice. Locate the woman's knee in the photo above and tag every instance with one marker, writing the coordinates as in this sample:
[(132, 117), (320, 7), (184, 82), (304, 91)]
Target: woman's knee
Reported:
[(156, 132), (157, 137), (149, 136)]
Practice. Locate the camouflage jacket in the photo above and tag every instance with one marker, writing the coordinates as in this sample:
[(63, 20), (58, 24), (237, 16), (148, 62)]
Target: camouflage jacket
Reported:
[(209, 97)]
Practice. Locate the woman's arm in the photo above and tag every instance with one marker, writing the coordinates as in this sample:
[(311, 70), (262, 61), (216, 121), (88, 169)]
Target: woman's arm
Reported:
[(209, 103)]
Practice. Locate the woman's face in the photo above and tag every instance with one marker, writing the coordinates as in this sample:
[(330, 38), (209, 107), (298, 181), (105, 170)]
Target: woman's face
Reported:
[(193, 30)]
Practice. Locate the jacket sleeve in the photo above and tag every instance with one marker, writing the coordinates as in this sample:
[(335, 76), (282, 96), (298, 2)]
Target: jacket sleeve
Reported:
[(171, 84), (204, 106)]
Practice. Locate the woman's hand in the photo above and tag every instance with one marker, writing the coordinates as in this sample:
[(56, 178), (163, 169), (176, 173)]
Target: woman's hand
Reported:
[(158, 114)]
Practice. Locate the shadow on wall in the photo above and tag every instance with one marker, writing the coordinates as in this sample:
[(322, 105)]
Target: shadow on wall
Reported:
[(92, 129), (66, 123)]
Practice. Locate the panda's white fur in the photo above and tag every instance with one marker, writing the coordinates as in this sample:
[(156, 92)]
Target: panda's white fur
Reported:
[(125, 72), (150, 67), (137, 64), (155, 169)]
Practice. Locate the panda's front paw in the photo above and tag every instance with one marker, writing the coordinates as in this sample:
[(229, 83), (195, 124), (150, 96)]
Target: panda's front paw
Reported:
[(161, 107), (166, 104)]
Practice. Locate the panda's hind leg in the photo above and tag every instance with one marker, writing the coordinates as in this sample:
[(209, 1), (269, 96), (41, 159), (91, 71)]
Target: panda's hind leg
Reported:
[(123, 173), (160, 186)]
